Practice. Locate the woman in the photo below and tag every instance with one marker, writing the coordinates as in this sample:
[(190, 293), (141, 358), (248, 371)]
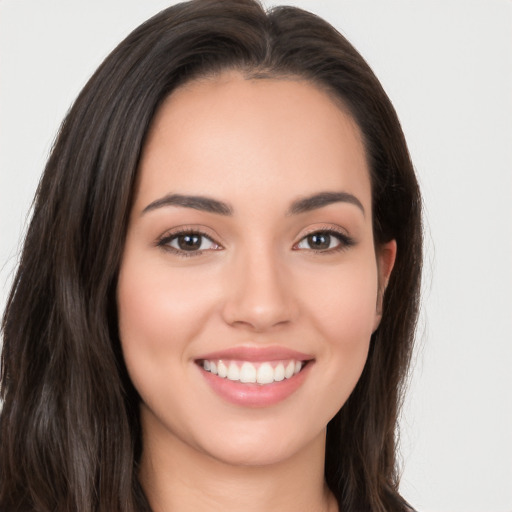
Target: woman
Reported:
[(219, 285)]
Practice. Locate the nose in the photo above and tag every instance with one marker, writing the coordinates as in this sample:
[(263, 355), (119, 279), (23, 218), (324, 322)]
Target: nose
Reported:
[(260, 293)]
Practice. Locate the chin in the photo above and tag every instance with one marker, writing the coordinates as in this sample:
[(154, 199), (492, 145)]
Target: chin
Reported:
[(264, 446)]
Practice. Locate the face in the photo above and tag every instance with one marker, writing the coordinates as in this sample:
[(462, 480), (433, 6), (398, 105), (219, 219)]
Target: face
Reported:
[(249, 284)]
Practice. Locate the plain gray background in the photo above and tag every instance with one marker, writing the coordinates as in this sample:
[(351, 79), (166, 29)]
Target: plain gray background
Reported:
[(447, 66)]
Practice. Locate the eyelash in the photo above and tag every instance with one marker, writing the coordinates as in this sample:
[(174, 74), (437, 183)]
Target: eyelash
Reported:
[(344, 240), (165, 241)]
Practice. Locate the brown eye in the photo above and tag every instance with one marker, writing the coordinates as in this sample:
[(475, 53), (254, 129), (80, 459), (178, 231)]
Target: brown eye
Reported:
[(325, 241), (319, 241), (189, 242)]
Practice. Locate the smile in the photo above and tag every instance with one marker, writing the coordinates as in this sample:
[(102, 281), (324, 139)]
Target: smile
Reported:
[(251, 376), (265, 372)]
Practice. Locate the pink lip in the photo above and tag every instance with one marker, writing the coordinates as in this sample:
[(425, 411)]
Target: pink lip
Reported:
[(255, 395), (257, 354)]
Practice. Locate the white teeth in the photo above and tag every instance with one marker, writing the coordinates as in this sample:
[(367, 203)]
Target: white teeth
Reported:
[(233, 372), (279, 372), (247, 373), (265, 374), (290, 368), (261, 373), (222, 370)]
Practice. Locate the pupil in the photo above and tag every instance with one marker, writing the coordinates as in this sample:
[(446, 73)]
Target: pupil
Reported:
[(319, 241), (189, 242)]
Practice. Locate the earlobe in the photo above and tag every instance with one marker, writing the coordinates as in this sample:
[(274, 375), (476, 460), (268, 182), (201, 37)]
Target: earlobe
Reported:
[(386, 256)]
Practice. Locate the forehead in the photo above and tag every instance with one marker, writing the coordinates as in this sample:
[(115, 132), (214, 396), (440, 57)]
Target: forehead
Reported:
[(231, 135)]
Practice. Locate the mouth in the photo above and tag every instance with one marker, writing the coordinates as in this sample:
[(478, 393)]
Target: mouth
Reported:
[(262, 373), (255, 377)]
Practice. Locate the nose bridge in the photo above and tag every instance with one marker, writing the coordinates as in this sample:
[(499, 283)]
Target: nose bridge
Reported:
[(259, 293)]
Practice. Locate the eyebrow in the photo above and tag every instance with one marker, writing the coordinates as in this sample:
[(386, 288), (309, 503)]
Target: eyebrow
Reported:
[(206, 204), (322, 199), (211, 205)]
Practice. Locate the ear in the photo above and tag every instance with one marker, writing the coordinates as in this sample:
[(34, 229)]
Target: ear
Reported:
[(386, 255)]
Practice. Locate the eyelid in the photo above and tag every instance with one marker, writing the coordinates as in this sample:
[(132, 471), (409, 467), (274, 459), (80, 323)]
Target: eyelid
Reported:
[(340, 233), (164, 240), (323, 228)]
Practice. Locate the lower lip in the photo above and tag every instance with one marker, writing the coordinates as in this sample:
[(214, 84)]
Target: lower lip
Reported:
[(255, 395)]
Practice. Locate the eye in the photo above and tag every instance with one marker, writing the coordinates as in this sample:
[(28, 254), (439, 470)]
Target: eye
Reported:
[(188, 242), (325, 241)]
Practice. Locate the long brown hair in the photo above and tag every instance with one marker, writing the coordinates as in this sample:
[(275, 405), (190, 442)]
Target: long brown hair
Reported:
[(69, 427)]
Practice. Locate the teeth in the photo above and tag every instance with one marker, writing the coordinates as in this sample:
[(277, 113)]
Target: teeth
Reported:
[(279, 372), (247, 373), (233, 372), (265, 374), (222, 370), (290, 368), (261, 373)]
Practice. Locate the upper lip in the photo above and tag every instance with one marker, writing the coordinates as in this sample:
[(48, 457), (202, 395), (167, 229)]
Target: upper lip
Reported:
[(257, 354)]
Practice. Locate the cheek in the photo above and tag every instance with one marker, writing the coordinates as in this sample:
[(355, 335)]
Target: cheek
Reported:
[(155, 307), (344, 303), (152, 321), (344, 314), (160, 313)]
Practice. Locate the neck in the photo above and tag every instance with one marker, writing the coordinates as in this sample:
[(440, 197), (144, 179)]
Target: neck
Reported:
[(177, 477)]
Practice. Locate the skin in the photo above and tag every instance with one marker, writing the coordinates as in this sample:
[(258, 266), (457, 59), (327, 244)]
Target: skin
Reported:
[(258, 146)]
